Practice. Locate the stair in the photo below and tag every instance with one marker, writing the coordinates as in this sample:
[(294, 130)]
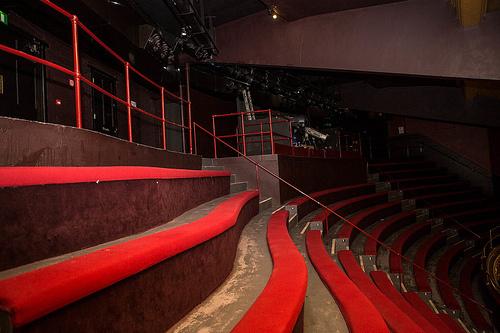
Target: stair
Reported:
[(238, 187)]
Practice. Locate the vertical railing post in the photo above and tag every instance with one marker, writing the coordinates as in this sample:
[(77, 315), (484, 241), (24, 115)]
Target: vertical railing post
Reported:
[(291, 132), (340, 145), (188, 95), (237, 138), (76, 69), (181, 95), (214, 135), (129, 106), (360, 146), (271, 130), (163, 124), (243, 134), (261, 138), (194, 138), (257, 180)]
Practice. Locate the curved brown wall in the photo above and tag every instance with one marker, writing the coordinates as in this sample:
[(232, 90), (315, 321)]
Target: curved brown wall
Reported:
[(155, 299)]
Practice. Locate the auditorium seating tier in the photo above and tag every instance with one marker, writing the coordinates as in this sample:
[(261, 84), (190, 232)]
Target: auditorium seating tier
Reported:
[(49, 211)]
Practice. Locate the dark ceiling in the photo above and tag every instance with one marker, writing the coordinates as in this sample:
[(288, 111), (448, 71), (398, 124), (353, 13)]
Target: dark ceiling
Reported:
[(229, 10)]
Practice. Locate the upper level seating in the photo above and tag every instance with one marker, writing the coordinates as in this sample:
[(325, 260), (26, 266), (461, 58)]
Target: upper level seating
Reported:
[(100, 280), (306, 205), (443, 275), (385, 285), (357, 310), (80, 207), (278, 307), (470, 267), (397, 320)]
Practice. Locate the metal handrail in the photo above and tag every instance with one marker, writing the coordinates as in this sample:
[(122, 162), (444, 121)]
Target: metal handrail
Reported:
[(244, 134), (78, 78), (361, 230)]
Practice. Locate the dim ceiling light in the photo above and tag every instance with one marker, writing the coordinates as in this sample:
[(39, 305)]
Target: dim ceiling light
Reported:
[(275, 16)]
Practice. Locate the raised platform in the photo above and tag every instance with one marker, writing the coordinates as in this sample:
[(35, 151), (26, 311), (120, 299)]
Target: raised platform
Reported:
[(31, 143)]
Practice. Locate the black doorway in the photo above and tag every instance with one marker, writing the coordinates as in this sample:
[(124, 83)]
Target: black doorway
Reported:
[(22, 82), (104, 108)]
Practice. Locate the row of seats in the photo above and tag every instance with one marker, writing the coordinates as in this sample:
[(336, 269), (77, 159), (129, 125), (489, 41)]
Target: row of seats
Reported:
[(278, 307), (443, 196)]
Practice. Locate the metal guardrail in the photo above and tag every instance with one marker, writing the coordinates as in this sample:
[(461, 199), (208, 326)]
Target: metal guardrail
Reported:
[(77, 25)]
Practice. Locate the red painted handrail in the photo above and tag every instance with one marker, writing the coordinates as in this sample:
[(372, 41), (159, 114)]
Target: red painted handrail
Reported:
[(76, 24)]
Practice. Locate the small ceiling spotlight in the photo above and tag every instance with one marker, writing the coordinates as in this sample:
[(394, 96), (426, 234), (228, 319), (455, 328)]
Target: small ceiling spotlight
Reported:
[(273, 11)]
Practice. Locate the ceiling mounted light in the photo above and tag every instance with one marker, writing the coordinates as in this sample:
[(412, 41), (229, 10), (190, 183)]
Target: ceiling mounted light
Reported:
[(273, 11)]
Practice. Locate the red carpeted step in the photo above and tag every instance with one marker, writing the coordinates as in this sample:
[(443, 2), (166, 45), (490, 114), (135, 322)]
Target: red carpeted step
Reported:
[(305, 205), (424, 251), (67, 209), (397, 320), (471, 266), (385, 285), (395, 166), (420, 190), (34, 294), (366, 217), (413, 182), (359, 313), (443, 274), (457, 206), (279, 305), (29, 176), (451, 323), (474, 215), (442, 198), (345, 207), (437, 240), (387, 227), (412, 173), (404, 241), (419, 305)]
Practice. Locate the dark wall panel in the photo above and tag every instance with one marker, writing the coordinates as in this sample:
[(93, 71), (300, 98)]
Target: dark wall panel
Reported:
[(315, 174), (411, 37), (27, 143)]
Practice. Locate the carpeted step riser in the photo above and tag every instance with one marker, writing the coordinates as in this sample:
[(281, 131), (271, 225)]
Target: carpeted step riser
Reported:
[(69, 217), (93, 292)]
